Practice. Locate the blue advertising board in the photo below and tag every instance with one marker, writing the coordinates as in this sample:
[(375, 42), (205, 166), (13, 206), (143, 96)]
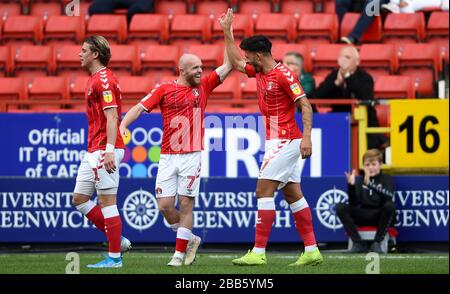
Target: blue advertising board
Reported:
[(51, 145), (40, 210)]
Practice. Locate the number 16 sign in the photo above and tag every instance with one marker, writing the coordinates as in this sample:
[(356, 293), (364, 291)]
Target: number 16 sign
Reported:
[(419, 133)]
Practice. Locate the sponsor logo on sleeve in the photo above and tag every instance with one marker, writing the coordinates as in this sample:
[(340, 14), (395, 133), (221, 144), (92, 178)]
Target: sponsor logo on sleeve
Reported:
[(107, 96), (295, 88)]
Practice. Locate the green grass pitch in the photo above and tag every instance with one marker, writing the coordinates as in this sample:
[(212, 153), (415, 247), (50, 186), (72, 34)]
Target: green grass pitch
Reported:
[(220, 263)]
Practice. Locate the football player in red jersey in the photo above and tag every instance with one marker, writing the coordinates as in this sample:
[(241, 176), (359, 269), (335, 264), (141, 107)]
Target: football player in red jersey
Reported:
[(279, 92), (182, 103), (98, 170)]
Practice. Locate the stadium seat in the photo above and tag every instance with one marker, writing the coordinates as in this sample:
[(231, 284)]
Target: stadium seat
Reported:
[(135, 87), (379, 59), (47, 88), (211, 55), (383, 115), (437, 32), (45, 9), (317, 28), (78, 88), (64, 28), (34, 58), (296, 8), (254, 7), (422, 62), (13, 89), (112, 27), (149, 26), (22, 30), (212, 9), (242, 28), (229, 89), (324, 58), (6, 61), (279, 50), (171, 8), (248, 88), (191, 26), (9, 9), (372, 34), (404, 28), (159, 56), (275, 25), (167, 79), (67, 58), (328, 6), (388, 87), (124, 58)]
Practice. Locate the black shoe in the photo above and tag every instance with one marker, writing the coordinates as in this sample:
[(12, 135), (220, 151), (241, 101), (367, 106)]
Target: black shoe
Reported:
[(376, 247), (358, 247)]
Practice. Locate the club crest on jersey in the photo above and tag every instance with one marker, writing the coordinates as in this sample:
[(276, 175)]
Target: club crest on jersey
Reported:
[(270, 85), (107, 96), (195, 92), (295, 88)]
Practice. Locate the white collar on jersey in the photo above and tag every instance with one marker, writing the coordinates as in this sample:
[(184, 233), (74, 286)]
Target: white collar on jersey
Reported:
[(100, 69)]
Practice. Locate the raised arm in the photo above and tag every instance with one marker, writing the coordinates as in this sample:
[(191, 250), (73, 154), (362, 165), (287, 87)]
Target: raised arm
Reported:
[(232, 50), (225, 68)]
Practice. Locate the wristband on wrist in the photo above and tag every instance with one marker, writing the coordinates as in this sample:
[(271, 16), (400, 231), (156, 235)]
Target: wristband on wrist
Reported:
[(109, 148)]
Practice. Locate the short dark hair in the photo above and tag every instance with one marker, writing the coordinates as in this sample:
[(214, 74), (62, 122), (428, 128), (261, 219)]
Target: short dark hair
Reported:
[(257, 44), (100, 44)]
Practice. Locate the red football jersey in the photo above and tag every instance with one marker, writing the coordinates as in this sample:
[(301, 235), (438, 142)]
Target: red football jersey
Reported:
[(183, 110), (277, 92), (102, 92)]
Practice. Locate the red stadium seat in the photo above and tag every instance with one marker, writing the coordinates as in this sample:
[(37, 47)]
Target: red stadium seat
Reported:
[(275, 25), (318, 28), (13, 89), (124, 58), (404, 28), (242, 27), (9, 9), (171, 8), (229, 89), (324, 58), (422, 62), (64, 28), (437, 32), (23, 30), (279, 50), (149, 26), (6, 61), (46, 88), (112, 27), (296, 8), (248, 87), (379, 59), (78, 88), (32, 58), (191, 26), (387, 87), (45, 10), (135, 87), (383, 114), (254, 7), (159, 56), (211, 55), (212, 9), (167, 79), (372, 34), (67, 58)]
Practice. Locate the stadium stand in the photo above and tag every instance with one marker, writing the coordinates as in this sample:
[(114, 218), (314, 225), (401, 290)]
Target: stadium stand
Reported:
[(404, 28), (279, 50), (372, 34), (379, 59), (324, 58), (148, 29), (394, 87), (62, 30), (6, 61), (318, 28), (22, 29), (125, 60), (276, 26), (113, 27)]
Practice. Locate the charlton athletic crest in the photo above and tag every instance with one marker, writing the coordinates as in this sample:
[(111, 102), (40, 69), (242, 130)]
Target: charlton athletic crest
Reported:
[(195, 92)]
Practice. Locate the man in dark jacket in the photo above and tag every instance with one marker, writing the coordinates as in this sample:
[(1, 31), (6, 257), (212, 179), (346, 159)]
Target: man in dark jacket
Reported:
[(350, 81), (369, 202)]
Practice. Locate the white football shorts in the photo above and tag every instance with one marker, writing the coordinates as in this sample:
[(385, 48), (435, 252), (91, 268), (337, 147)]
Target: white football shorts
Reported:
[(282, 161), (178, 174), (93, 176)]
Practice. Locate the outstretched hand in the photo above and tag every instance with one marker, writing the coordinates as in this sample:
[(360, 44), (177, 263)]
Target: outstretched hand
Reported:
[(226, 20), (350, 177)]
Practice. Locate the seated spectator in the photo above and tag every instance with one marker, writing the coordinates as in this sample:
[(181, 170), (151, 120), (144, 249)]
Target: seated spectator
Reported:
[(350, 81), (295, 62), (369, 202), (367, 9), (133, 6), (411, 6)]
